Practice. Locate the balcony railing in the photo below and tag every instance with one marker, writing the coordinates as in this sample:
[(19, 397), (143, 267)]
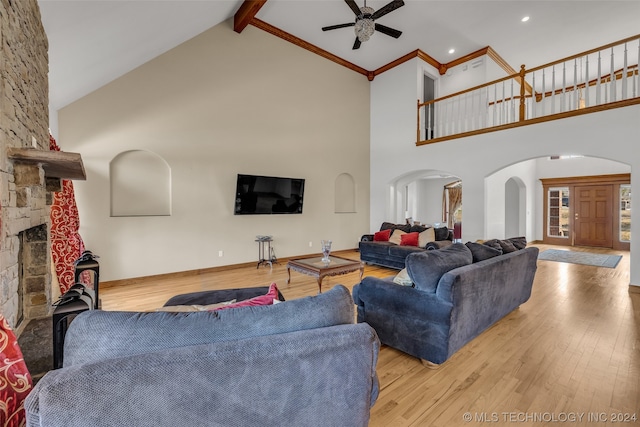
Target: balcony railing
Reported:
[(601, 78)]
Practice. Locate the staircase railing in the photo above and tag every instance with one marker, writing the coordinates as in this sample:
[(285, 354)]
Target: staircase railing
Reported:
[(601, 78)]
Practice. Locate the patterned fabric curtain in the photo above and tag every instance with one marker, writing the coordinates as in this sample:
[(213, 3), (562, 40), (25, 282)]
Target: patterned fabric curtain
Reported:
[(66, 243), (451, 201)]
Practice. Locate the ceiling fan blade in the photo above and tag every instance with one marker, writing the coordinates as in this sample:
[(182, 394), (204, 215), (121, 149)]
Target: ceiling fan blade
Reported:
[(352, 4), (388, 31), (389, 7), (334, 27), (357, 44)]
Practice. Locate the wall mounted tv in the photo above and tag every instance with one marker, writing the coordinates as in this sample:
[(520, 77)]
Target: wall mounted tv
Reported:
[(260, 195)]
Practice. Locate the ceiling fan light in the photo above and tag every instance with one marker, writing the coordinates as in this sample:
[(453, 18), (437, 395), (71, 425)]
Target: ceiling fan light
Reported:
[(364, 29)]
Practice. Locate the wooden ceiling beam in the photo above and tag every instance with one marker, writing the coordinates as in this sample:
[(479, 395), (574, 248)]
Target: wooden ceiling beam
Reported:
[(246, 13)]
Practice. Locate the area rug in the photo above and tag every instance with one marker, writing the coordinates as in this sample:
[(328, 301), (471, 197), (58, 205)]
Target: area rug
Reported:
[(585, 258)]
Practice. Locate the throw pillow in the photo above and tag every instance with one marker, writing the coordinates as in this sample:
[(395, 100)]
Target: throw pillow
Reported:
[(382, 236), (428, 235), (409, 239), (442, 233), (427, 267), (194, 307), (518, 242), (16, 382), (493, 243), (506, 246), (396, 237), (417, 228), (402, 278), (266, 299), (481, 252)]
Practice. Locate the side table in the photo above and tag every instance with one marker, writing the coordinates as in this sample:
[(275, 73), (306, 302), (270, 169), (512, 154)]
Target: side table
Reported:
[(265, 251)]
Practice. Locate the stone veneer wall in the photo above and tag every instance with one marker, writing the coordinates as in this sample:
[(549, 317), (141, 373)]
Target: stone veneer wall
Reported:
[(24, 123)]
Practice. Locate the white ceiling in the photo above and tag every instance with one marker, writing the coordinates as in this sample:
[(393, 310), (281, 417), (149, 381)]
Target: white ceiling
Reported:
[(92, 42)]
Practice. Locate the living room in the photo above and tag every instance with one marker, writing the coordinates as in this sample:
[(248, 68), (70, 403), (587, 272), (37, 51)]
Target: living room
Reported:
[(222, 104)]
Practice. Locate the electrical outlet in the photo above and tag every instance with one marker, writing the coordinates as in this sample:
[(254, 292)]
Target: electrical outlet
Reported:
[(310, 244), (220, 254)]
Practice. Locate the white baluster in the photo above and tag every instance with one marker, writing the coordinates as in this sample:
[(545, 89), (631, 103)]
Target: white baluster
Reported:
[(563, 100), (495, 105), (624, 74), (530, 111), (598, 81), (586, 81), (576, 101), (553, 89), (613, 78), (544, 93)]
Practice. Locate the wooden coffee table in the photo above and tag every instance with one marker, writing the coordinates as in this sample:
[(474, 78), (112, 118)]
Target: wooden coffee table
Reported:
[(317, 268)]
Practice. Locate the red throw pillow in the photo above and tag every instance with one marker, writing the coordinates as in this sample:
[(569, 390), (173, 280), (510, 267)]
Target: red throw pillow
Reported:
[(382, 236), (409, 239), (16, 383), (266, 299)]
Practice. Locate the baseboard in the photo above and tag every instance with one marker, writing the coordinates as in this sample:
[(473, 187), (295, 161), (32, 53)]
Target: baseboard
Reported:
[(187, 273)]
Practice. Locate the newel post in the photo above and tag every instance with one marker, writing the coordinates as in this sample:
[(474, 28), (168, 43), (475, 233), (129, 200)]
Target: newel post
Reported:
[(522, 92)]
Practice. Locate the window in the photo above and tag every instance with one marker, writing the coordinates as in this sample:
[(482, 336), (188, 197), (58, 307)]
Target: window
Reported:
[(625, 213), (558, 212)]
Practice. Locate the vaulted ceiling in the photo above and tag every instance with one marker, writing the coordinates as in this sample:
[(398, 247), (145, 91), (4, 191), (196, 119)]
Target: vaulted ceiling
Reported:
[(92, 42)]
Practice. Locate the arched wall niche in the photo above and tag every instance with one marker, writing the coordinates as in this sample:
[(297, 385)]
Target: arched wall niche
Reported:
[(140, 183), (345, 194)]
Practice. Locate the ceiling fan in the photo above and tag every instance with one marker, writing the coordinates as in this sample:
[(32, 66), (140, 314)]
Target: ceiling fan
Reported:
[(364, 25)]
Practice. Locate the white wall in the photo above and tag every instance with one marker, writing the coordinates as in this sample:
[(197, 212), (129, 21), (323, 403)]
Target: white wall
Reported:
[(221, 104), (611, 134)]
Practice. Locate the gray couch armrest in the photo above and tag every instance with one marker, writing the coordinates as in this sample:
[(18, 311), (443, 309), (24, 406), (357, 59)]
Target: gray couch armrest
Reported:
[(301, 378), (379, 294), (366, 238)]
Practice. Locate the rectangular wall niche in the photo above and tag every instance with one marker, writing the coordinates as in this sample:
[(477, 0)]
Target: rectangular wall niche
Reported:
[(140, 184)]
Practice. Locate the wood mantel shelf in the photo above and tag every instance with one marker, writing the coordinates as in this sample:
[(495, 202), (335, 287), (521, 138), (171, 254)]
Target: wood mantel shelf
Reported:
[(56, 164)]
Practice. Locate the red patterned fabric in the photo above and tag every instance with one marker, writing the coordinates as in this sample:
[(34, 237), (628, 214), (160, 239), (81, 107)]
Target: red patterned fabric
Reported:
[(409, 239), (266, 299), (382, 236), (15, 381), (66, 243)]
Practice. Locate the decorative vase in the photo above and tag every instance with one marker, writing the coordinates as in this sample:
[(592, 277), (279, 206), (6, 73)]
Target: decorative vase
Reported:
[(326, 250)]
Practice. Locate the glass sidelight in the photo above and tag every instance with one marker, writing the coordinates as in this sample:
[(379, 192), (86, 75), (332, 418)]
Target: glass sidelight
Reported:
[(558, 212)]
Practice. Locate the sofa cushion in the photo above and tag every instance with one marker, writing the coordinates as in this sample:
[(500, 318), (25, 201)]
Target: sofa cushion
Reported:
[(481, 252), (518, 242), (375, 248), (442, 233), (428, 235), (382, 236), (96, 335), (409, 239), (507, 246), (396, 236), (390, 226), (402, 251), (493, 243), (417, 228), (425, 268)]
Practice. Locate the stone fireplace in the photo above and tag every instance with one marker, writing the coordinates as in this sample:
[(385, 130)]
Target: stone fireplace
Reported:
[(25, 188)]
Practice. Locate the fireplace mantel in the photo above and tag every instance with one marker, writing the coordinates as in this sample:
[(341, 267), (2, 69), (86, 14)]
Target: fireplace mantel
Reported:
[(56, 164)]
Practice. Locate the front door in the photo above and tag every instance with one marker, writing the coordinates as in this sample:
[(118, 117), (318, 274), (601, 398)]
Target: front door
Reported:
[(593, 215)]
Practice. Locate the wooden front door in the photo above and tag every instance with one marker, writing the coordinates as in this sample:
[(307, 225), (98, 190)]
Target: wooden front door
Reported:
[(593, 215)]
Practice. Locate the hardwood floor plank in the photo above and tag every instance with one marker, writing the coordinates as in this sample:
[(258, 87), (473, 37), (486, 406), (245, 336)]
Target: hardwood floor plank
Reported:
[(573, 347)]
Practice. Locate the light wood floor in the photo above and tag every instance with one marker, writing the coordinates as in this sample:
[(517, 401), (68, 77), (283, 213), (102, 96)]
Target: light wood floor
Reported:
[(573, 350)]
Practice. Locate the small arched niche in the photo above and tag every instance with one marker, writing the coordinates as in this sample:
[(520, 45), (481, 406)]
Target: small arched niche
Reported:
[(140, 184), (345, 194)]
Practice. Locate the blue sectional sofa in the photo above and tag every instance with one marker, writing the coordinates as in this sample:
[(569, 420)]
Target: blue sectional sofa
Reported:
[(392, 255), (453, 299), (302, 362)]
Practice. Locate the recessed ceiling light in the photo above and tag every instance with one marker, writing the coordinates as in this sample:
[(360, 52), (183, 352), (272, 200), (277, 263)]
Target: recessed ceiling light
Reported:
[(451, 50), (525, 19)]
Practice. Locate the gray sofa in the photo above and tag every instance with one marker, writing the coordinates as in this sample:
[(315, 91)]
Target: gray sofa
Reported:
[(453, 301), (301, 362), (392, 255)]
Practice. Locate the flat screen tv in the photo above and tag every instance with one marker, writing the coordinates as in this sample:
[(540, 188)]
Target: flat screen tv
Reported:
[(264, 195)]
